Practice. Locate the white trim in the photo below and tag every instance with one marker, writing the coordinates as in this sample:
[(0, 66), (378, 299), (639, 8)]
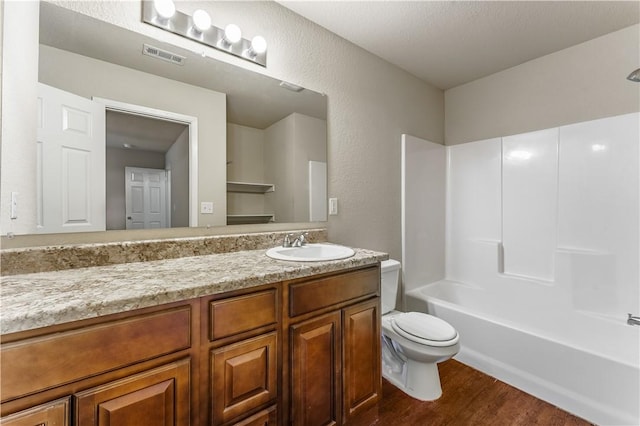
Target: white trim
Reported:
[(168, 193), (189, 120)]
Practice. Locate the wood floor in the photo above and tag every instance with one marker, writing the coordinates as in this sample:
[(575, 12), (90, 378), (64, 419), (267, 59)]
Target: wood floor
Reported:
[(469, 397)]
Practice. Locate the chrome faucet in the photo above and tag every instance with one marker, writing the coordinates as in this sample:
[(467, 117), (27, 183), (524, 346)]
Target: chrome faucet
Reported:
[(631, 320), (298, 242), (301, 240)]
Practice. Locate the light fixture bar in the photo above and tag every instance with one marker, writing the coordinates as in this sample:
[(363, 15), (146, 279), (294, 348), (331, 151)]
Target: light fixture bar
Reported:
[(183, 25)]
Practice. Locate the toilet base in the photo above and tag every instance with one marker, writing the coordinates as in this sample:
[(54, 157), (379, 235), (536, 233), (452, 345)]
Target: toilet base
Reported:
[(417, 379)]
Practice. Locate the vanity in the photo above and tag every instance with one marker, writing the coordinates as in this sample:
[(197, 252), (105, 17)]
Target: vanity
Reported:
[(233, 338)]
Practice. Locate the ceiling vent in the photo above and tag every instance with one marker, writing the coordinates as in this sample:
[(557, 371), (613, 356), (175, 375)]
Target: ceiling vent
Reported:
[(165, 55), (291, 86)]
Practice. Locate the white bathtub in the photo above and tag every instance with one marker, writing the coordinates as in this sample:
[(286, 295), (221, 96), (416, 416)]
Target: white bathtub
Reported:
[(582, 363)]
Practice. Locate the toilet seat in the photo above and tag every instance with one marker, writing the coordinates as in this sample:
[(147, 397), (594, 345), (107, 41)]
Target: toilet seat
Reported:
[(424, 329)]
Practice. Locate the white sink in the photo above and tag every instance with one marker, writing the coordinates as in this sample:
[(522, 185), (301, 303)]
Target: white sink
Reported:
[(316, 252)]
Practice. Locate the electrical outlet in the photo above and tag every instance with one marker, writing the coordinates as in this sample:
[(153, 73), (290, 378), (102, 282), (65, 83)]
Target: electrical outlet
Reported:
[(333, 206), (206, 207)]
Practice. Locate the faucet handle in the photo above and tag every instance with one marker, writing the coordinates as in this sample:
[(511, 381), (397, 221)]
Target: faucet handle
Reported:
[(287, 241), (303, 238)]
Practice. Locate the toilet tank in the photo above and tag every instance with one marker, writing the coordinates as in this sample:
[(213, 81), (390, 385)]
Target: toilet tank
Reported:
[(390, 271)]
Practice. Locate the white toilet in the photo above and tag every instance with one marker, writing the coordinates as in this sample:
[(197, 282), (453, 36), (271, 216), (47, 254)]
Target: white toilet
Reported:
[(412, 342)]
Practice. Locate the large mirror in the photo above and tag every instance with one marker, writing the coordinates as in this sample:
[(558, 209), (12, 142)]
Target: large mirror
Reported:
[(194, 143)]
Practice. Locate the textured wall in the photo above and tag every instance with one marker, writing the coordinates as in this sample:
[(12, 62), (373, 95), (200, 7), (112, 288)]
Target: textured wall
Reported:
[(580, 83), (18, 118), (370, 104)]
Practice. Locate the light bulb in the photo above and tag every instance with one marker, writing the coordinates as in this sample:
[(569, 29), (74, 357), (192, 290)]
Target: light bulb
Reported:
[(165, 8), (258, 45), (201, 20), (232, 34)]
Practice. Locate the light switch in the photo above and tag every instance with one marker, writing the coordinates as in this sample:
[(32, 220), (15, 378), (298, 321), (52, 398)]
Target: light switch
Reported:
[(206, 207), (14, 205), (333, 206)]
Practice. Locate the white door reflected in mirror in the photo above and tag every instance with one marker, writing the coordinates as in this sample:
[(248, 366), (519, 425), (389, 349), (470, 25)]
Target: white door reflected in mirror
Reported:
[(146, 198), (70, 162)]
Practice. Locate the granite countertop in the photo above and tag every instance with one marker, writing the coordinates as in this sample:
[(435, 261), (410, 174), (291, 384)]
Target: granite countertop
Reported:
[(35, 300)]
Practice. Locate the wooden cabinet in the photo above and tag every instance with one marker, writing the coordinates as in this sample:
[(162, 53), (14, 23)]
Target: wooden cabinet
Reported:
[(156, 397), (334, 346), (133, 368), (362, 365), (232, 316), (266, 417), (55, 413), (244, 356), (300, 352), (315, 366), (72, 352), (243, 377)]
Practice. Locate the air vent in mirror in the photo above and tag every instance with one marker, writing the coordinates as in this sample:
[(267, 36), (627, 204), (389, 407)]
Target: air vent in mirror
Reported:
[(165, 55)]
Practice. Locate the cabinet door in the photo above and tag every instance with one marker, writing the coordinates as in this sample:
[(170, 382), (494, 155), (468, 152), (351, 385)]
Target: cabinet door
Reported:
[(362, 365), (266, 417), (156, 397), (244, 376), (55, 413), (315, 371)]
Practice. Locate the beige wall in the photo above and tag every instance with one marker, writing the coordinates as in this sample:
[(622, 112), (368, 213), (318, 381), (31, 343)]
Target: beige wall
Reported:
[(245, 154), (278, 155), (89, 77), (370, 104), (309, 144), (580, 83), (177, 160)]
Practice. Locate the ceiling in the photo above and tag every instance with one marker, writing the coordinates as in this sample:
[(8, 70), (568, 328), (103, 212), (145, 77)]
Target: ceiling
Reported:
[(142, 133), (449, 43)]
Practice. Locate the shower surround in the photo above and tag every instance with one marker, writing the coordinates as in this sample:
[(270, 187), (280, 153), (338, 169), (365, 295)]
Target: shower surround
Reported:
[(540, 248)]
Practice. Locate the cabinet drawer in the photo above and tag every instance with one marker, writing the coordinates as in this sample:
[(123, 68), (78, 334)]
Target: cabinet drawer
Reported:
[(55, 413), (243, 313), (321, 293), (51, 360)]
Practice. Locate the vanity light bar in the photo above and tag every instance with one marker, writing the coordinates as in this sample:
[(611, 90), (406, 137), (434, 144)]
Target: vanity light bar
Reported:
[(182, 24)]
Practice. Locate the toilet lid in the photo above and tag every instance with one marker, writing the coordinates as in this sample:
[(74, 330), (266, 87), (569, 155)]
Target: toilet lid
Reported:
[(425, 329)]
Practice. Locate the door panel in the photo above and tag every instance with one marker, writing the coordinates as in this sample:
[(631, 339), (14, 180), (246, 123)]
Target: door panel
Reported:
[(55, 413), (362, 375), (71, 162), (315, 368), (146, 198), (243, 377), (75, 189), (155, 397)]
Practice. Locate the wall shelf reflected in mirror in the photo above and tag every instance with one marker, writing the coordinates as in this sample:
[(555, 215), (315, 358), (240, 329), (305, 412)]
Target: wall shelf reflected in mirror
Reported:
[(253, 188)]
